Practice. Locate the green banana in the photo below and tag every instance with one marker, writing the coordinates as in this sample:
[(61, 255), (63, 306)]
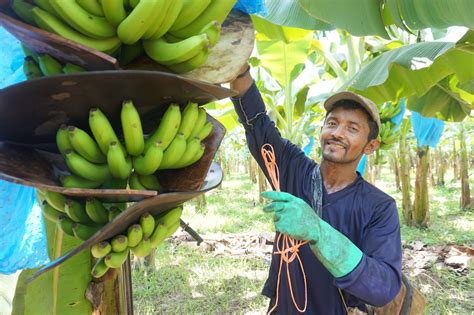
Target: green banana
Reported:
[(120, 166), (56, 200), (29, 53), (76, 211), (134, 235), (24, 10), (39, 196), (83, 168), (31, 68), (91, 6), (99, 269), (81, 20), (150, 182), (132, 28), (167, 128), (213, 32), (129, 53), (115, 260), (102, 130), (49, 65), (172, 228), (65, 225), (167, 53), (84, 232), (96, 211), (217, 10), (49, 22), (171, 14), (133, 3), (113, 213), (192, 148), (205, 130), (196, 158), (158, 235), (134, 182), (188, 120), (114, 11), (190, 11), (69, 68), (191, 64), (49, 212), (174, 152), (119, 243), (143, 248), (74, 181), (147, 222), (83, 144), (200, 121), (62, 139), (132, 129), (101, 249), (46, 6), (158, 19), (170, 217), (115, 183), (148, 164)]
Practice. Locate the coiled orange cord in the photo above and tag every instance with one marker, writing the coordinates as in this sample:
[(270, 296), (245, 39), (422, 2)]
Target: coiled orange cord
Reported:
[(290, 247)]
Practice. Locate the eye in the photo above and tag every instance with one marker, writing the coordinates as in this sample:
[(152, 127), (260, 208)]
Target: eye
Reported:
[(353, 129), (330, 123)]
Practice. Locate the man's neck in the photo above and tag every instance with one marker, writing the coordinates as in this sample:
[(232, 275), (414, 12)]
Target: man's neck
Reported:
[(337, 176)]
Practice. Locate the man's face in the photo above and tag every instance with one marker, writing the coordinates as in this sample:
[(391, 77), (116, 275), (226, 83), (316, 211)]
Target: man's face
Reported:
[(344, 135)]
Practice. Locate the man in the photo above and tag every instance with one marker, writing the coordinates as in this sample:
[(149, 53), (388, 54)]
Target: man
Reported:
[(353, 255)]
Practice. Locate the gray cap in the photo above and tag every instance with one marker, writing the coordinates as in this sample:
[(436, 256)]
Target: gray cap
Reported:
[(362, 101)]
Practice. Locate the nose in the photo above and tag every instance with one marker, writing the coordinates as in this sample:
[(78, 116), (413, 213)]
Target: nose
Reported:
[(338, 132)]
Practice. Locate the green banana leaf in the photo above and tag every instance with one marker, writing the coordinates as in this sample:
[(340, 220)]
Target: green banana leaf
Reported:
[(291, 13), (61, 290), (269, 31), (413, 70), (358, 17)]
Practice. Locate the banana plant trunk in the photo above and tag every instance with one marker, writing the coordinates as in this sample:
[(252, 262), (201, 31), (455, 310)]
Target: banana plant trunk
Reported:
[(262, 185), (405, 180), (395, 165), (465, 191), (252, 166), (421, 212), (455, 160), (442, 166)]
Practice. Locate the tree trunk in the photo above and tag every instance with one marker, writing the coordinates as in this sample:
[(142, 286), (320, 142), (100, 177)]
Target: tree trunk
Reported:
[(395, 165), (421, 206), (262, 184), (455, 161), (405, 167), (465, 191), (252, 165), (442, 164)]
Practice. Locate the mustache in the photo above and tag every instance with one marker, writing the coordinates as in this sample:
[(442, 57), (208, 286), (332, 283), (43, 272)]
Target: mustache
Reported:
[(335, 141)]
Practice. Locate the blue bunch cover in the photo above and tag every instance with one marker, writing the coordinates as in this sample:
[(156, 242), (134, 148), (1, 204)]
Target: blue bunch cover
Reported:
[(23, 243), (427, 130), (251, 6), (307, 148), (397, 120)]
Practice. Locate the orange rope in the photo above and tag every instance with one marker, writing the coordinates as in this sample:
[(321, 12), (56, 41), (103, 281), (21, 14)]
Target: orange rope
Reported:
[(290, 247)]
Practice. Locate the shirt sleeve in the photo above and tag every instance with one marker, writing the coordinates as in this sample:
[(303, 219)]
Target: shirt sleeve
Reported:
[(377, 278), (260, 130)]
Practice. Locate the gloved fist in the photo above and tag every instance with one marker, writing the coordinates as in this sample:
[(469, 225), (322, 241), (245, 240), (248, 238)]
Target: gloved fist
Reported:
[(293, 216)]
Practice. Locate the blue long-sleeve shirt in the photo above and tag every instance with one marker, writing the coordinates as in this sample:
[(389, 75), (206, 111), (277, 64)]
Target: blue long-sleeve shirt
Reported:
[(360, 211)]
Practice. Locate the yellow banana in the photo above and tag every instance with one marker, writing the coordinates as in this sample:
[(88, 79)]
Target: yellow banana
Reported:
[(167, 53), (62, 139), (188, 120), (149, 163), (132, 129), (120, 166), (174, 152), (83, 168), (83, 144), (171, 14), (102, 130), (217, 10), (49, 65), (167, 128), (200, 121), (49, 22), (190, 11), (132, 28)]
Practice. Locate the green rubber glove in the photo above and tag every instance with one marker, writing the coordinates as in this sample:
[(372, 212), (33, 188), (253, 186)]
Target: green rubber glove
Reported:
[(294, 217)]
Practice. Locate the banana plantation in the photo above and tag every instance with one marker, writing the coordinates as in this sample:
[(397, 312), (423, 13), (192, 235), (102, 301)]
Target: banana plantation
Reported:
[(236, 157)]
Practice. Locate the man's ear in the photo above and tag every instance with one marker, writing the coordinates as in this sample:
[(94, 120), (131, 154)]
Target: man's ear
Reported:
[(371, 146)]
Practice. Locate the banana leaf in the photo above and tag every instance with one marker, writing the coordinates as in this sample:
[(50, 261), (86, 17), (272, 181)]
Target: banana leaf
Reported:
[(60, 291), (358, 17), (415, 69), (270, 31), (291, 13)]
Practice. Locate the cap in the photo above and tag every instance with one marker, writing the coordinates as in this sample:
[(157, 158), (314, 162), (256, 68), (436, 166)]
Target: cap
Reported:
[(362, 101)]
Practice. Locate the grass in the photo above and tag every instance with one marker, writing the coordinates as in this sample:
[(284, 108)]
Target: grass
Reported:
[(190, 281)]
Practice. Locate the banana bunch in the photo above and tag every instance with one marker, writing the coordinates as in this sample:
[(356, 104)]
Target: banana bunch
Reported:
[(388, 136), (101, 160), (140, 239), (175, 33), (388, 110), (36, 66)]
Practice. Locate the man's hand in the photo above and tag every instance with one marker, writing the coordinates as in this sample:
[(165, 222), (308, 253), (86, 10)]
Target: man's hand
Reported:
[(243, 82), (293, 216)]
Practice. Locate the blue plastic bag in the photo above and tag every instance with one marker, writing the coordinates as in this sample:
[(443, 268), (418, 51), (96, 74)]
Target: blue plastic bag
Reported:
[(251, 6), (23, 243), (427, 130)]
